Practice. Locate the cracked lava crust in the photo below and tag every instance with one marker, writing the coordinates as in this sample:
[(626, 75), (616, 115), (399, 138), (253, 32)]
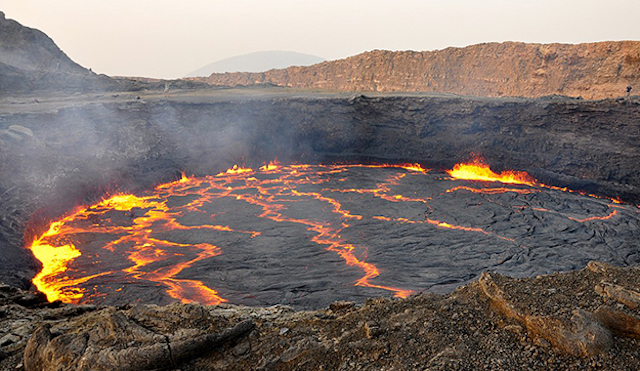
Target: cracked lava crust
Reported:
[(307, 235)]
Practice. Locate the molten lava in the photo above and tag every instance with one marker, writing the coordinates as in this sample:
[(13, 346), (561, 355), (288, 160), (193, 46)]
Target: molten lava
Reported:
[(480, 171), (155, 239)]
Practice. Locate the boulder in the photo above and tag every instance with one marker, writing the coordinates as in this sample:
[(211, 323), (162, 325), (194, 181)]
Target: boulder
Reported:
[(579, 335), (620, 323), (138, 338)]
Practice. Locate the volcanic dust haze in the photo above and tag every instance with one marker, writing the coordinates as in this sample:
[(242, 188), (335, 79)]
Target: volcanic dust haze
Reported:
[(307, 235)]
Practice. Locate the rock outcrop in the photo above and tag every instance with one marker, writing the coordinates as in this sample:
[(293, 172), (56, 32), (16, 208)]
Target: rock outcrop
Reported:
[(592, 71), (577, 316), (30, 61), (577, 333), (140, 338), (32, 64), (29, 49)]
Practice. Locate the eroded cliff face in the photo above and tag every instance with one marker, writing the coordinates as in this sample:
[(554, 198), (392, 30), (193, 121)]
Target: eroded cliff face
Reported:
[(592, 71)]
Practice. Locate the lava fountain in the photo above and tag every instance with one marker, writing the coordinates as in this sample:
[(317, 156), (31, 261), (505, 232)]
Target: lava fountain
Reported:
[(310, 234)]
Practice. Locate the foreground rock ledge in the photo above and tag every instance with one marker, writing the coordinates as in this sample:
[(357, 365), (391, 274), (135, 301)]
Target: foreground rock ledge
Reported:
[(582, 320)]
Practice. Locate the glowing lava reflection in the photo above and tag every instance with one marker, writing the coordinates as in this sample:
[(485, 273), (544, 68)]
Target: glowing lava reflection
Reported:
[(307, 232)]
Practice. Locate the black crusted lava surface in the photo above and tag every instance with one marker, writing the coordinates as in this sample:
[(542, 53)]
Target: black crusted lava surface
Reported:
[(308, 235)]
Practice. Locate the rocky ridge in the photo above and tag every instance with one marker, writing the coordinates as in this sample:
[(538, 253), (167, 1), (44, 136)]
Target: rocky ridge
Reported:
[(593, 71), (31, 50), (31, 63)]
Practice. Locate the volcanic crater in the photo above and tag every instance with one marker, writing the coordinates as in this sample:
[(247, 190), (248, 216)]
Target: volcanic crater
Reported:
[(307, 235)]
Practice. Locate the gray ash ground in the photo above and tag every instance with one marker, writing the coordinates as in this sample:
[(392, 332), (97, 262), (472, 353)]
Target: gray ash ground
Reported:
[(330, 233)]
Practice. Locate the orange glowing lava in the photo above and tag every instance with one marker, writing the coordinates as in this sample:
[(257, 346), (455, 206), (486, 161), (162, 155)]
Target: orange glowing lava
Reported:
[(414, 167), (477, 170), (235, 170), (480, 171), (55, 255), (611, 215), (441, 224)]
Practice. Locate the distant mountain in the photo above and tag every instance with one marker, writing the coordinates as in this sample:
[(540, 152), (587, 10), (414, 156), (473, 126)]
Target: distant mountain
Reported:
[(257, 62), (593, 71)]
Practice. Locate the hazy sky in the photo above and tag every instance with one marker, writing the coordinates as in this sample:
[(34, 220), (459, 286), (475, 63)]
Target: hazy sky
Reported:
[(170, 38)]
